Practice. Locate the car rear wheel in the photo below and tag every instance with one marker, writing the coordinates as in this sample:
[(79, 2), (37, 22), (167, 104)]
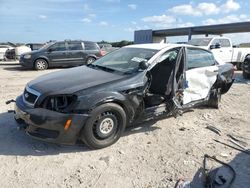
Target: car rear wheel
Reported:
[(105, 126), (214, 99), (41, 64), (90, 60)]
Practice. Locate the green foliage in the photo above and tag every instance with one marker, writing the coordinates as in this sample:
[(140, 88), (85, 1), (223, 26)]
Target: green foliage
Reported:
[(117, 44)]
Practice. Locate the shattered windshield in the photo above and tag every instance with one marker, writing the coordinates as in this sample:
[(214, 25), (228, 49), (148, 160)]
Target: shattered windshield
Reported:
[(124, 60), (200, 41)]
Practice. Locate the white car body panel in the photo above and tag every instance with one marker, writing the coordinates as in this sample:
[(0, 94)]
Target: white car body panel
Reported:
[(3, 49), (21, 49), (199, 83)]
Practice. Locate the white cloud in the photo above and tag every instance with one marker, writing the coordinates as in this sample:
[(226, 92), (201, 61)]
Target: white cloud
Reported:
[(103, 23), (188, 24), (185, 10), (133, 22), (42, 16), (130, 29), (227, 19), (86, 20), (112, 1), (132, 6), (91, 15), (208, 8), (160, 21), (86, 7), (230, 6), (205, 8)]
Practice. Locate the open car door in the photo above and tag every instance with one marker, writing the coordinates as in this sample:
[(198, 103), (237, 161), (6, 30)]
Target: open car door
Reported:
[(201, 74)]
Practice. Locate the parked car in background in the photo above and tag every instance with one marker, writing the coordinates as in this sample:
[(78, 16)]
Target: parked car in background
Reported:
[(3, 49), (10, 54), (95, 103), (246, 68), (107, 48), (62, 54), (34, 46), (222, 48), (19, 50)]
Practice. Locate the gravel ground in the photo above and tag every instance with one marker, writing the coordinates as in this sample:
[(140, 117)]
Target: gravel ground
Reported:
[(153, 154)]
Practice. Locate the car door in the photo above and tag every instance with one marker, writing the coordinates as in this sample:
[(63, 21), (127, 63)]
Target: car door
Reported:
[(224, 52), (57, 54), (201, 74), (75, 52)]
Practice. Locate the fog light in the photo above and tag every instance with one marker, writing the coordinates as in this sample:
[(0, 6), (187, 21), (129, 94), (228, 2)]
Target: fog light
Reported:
[(67, 125)]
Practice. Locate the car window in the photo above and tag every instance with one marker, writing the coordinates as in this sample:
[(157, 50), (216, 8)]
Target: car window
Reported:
[(125, 60), (58, 47), (200, 41), (169, 56), (75, 46), (90, 46), (222, 42), (225, 43), (215, 41), (197, 58)]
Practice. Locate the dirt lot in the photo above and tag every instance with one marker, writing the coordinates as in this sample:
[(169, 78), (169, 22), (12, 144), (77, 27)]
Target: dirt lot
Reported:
[(155, 154)]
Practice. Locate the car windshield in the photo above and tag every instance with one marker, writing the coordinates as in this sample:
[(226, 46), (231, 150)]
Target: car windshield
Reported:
[(47, 45), (200, 41), (124, 60)]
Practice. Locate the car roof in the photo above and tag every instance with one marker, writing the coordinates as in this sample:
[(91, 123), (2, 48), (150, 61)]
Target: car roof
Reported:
[(156, 46)]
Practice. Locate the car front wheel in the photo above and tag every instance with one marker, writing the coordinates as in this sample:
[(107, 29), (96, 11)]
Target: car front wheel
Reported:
[(41, 64), (105, 126), (90, 60)]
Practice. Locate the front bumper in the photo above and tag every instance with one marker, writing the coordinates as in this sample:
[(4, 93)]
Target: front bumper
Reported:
[(26, 62), (49, 125)]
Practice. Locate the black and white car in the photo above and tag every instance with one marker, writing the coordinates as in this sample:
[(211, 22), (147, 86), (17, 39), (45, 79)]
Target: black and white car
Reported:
[(94, 103)]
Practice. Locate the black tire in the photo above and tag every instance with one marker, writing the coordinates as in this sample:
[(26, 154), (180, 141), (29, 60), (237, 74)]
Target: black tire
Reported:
[(245, 75), (214, 99), (104, 127), (41, 64), (90, 60)]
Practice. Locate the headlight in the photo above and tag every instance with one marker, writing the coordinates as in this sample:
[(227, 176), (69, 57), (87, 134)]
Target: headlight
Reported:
[(60, 103), (27, 56)]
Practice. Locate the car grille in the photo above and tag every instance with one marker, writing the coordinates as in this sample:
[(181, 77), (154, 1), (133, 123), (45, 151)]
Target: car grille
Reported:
[(30, 96)]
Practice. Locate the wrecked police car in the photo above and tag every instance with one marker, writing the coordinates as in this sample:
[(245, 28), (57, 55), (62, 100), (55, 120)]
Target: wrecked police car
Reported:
[(94, 103)]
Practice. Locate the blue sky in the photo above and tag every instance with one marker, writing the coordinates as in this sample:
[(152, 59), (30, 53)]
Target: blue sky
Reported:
[(111, 20)]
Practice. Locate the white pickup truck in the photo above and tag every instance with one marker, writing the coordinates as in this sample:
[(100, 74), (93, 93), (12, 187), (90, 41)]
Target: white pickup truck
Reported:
[(223, 49)]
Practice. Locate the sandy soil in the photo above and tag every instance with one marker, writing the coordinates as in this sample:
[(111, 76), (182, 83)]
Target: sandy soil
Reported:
[(154, 154)]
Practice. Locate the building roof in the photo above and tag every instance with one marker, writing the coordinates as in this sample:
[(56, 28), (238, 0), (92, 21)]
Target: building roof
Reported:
[(209, 29)]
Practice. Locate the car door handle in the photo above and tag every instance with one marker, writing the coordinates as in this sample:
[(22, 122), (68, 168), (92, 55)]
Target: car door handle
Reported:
[(216, 71)]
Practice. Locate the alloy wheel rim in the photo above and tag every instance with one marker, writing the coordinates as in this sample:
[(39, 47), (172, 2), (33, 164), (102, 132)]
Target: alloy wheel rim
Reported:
[(106, 126), (41, 65)]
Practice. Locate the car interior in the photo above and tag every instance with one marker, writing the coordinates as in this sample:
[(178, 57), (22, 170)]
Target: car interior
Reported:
[(159, 88)]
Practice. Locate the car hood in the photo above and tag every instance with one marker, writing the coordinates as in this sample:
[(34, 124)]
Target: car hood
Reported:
[(72, 80)]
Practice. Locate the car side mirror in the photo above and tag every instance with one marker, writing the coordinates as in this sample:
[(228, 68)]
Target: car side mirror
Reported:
[(215, 46), (143, 65)]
